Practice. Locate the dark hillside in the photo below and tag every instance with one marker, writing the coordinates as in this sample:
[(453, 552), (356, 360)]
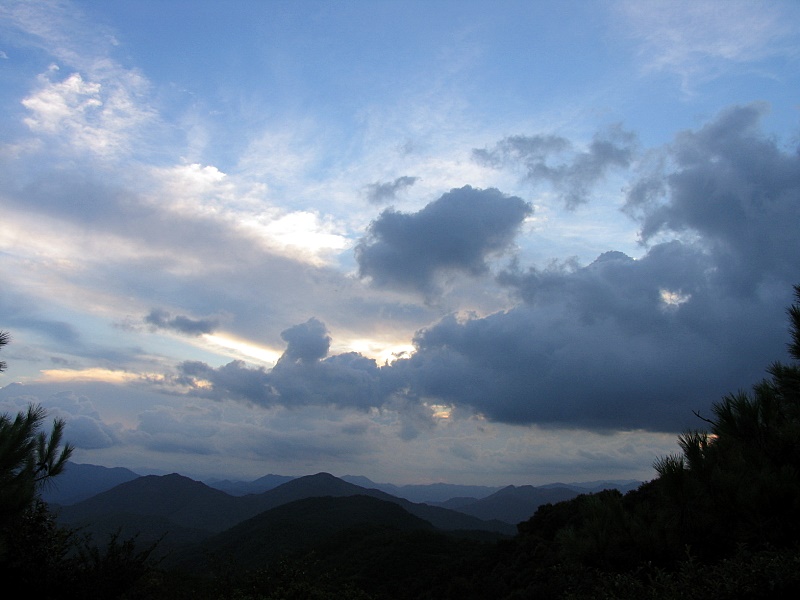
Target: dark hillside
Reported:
[(324, 484), (181, 500), (296, 526)]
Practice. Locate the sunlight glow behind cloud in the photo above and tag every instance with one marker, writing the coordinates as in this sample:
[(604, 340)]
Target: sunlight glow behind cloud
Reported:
[(238, 348)]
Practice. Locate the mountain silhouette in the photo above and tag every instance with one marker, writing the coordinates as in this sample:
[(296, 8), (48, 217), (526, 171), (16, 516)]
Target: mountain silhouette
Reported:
[(296, 526), (241, 488), (513, 504), (79, 481), (182, 501), (183, 508), (430, 493)]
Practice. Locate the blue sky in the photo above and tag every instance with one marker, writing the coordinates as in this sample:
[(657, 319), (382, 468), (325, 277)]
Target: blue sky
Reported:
[(508, 242)]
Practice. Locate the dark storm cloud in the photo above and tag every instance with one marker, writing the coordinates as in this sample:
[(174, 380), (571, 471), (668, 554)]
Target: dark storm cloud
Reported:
[(552, 158), (379, 193), (625, 343), (615, 344), (456, 233), (302, 375), (307, 342), (736, 189), (234, 380), (598, 347), (162, 319), (348, 379)]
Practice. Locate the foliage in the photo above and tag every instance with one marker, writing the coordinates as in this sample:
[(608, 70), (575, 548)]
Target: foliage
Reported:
[(28, 458), (42, 558), (740, 482), (4, 339), (765, 575)]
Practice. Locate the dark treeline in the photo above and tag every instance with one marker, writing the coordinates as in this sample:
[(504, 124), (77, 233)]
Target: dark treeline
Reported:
[(721, 519)]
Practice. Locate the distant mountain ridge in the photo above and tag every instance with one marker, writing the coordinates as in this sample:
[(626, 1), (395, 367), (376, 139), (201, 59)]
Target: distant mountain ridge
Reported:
[(180, 509), (257, 486), (429, 493), (81, 481), (512, 504)]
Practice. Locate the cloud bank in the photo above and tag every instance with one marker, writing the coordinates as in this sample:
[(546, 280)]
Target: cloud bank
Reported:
[(618, 344)]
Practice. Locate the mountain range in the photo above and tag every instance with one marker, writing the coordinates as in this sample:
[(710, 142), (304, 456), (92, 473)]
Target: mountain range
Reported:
[(81, 481), (191, 519)]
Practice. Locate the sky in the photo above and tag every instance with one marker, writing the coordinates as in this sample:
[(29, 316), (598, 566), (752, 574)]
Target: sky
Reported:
[(453, 241)]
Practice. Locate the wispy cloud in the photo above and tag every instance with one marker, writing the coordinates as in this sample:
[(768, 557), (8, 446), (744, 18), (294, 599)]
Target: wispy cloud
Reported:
[(553, 159), (99, 116), (697, 40), (379, 193)]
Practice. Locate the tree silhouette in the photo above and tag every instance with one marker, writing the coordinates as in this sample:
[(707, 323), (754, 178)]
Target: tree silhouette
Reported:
[(29, 457), (4, 339), (740, 481)]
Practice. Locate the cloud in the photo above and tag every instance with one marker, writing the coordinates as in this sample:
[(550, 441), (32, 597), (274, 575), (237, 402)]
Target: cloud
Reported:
[(456, 233), (85, 429), (101, 116), (171, 429), (167, 430), (89, 433), (234, 380), (592, 348), (25, 314), (553, 159), (734, 189), (343, 380), (161, 319), (623, 343), (307, 342), (302, 375), (378, 193), (696, 40), (617, 344), (139, 241)]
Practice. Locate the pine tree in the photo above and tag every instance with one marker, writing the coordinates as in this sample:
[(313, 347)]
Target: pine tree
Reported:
[(29, 457), (739, 483)]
